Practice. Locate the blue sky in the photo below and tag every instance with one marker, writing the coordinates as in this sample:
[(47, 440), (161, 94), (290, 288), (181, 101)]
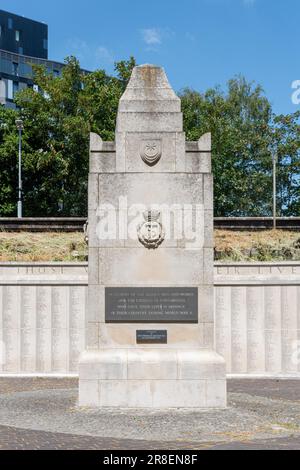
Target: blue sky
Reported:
[(201, 43)]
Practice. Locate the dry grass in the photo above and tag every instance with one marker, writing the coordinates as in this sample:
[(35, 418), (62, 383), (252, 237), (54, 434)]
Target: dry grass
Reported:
[(267, 245), (27, 246), (229, 246)]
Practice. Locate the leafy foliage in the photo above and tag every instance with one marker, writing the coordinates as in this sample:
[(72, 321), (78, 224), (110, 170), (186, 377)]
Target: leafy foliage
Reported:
[(8, 173), (59, 118)]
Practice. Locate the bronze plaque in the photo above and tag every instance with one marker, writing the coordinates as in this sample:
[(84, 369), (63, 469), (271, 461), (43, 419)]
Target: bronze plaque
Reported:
[(152, 337), (151, 305)]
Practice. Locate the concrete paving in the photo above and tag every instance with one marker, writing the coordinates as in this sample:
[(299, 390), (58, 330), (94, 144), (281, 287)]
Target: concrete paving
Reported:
[(42, 413)]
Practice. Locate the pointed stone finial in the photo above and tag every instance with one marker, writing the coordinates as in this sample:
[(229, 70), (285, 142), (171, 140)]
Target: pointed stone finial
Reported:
[(96, 143), (204, 143), (149, 104), (149, 90)]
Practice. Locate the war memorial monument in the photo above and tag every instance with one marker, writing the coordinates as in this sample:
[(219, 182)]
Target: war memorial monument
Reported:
[(150, 321)]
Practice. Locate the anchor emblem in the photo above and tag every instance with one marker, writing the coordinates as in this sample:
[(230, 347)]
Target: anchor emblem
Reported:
[(151, 233)]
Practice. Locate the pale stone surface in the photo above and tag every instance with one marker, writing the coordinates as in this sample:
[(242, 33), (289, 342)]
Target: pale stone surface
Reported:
[(103, 162), (176, 267), (180, 152), (109, 364), (180, 394), (223, 323), (179, 336), (209, 229), (208, 191), (208, 267), (93, 196), (89, 392), (148, 88), (198, 162), (206, 304), (156, 121), (232, 281), (96, 311), (169, 149), (154, 364), (204, 143), (209, 335), (199, 365), (164, 188), (238, 329), (273, 329), (255, 327), (96, 143), (125, 394), (152, 378), (184, 228), (94, 266), (216, 392), (155, 170)]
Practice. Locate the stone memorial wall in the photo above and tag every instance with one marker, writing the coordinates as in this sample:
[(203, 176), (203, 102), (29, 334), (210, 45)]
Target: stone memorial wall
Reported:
[(42, 317), (43, 312), (257, 310)]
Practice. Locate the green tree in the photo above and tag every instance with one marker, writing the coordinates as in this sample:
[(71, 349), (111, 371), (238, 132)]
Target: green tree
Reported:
[(56, 144), (101, 95), (287, 146), (241, 124), (8, 162), (60, 117), (58, 121)]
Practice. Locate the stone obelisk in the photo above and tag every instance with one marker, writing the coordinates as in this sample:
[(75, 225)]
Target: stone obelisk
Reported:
[(150, 325)]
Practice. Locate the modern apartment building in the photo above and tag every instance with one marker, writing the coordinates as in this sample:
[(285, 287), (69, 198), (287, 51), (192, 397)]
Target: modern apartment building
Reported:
[(23, 42)]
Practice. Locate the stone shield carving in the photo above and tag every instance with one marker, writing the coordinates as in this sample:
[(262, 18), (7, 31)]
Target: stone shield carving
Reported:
[(151, 152), (151, 233)]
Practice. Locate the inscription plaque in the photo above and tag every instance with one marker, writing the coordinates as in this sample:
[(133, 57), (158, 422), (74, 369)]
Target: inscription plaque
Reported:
[(151, 305), (152, 337)]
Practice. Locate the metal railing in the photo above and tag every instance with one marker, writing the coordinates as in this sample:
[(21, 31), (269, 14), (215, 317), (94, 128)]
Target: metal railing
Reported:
[(76, 224)]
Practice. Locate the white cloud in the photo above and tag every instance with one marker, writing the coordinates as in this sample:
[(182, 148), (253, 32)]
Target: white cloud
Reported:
[(77, 47), (90, 55), (190, 36), (155, 37), (103, 53), (151, 36)]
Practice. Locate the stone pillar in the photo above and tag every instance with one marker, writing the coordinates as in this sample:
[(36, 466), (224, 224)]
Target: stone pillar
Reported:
[(150, 325)]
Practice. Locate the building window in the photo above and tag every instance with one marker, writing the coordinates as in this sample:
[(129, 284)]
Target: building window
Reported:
[(56, 73), (10, 23), (21, 51), (15, 68), (9, 90), (2, 91), (17, 35), (15, 88), (45, 44), (0, 30)]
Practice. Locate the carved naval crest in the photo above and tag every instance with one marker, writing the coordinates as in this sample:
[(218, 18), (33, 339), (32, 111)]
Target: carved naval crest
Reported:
[(151, 233), (151, 152)]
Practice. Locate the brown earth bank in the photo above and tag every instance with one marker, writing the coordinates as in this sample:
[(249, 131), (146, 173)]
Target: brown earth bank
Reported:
[(268, 245)]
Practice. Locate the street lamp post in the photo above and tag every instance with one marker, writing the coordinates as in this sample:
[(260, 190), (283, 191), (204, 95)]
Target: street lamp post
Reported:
[(275, 160), (20, 127)]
